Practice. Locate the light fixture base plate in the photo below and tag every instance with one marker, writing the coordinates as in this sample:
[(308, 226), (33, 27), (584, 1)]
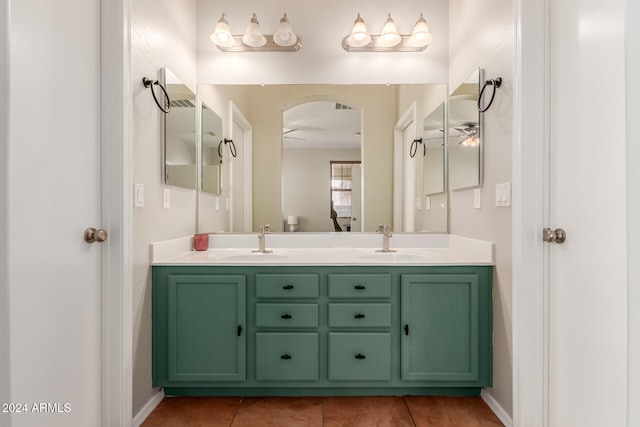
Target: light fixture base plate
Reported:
[(270, 46)]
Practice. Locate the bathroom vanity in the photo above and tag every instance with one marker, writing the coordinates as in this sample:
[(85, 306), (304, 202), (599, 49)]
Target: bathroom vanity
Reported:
[(323, 321)]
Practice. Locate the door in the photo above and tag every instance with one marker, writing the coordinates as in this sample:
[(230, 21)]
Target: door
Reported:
[(404, 170), (206, 328), (356, 198), (55, 193), (408, 179), (441, 327), (587, 273), (241, 173)]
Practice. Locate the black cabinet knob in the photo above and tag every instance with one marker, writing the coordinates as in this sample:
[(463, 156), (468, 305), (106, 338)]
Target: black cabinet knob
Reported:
[(285, 357), (359, 316), (287, 287), (359, 287), (360, 356), (286, 316)]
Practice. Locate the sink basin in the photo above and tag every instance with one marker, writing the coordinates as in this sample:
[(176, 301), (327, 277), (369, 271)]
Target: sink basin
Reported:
[(256, 256), (392, 256)]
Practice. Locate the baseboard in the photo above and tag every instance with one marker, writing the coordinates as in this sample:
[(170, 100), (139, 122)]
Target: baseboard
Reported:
[(496, 408), (148, 408)]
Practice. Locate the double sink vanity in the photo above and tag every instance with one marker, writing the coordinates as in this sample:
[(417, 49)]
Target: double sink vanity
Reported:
[(322, 314)]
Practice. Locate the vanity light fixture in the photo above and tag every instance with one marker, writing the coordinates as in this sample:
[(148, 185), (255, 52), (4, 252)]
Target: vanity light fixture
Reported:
[(283, 40), (389, 40)]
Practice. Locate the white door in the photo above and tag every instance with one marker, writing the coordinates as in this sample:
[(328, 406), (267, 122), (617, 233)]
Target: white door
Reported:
[(54, 183), (587, 274), (356, 198), (408, 179), (241, 175)]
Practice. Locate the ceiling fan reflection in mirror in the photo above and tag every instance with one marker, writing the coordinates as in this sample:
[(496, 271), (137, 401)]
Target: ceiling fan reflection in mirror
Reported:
[(470, 133)]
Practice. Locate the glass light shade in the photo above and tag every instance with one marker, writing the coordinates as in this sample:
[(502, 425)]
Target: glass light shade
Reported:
[(292, 220), (222, 34), (471, 141), (359, 36), (389, 36), (253, 36), (421, 35), (284, 36)]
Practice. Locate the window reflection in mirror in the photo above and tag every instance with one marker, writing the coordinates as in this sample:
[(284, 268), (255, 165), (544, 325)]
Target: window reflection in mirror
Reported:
[(465, 130), (179, 133), (211, 160)]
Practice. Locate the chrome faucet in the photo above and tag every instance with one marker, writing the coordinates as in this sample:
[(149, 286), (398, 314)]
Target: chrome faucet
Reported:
[(262, 231), (386, 235)]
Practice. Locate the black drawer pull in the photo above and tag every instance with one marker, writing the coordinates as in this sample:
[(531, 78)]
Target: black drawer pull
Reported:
[(287, 287), (406, 329), (285, 356), (360, 356), (359, 287), (286, 316), (239, 330), (359, 316)]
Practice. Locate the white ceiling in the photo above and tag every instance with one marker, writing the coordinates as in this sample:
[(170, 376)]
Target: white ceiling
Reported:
[(320, 125)]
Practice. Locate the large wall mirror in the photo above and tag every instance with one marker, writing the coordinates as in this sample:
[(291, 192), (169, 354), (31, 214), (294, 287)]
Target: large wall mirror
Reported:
[(465, 134), (179, 133), (284, 116)]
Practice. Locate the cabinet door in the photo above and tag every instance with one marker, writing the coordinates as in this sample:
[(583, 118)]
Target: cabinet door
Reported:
[(440, 327), (206, 328)]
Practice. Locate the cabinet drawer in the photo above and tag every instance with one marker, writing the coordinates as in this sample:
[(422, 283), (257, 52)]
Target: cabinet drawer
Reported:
[(287, 285), (359, 285), (360, 356), (287, 356), (360, 315), (286, 315)]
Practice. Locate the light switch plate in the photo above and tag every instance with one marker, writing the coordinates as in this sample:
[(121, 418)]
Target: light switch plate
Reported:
[(418, 203), (217, 203), (503, 194), (166, 198), (138, 195), (428, 203), (477, 198)]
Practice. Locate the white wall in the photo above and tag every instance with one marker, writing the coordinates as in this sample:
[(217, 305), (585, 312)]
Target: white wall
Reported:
[(481, 35), (306, 186), (632, 39), (4, 202), (163, 34)]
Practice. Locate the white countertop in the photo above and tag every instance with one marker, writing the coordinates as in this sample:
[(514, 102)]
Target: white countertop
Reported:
[(325, 249)]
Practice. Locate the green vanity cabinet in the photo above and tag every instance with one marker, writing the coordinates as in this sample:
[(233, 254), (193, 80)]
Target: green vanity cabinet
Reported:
[(322, 330)]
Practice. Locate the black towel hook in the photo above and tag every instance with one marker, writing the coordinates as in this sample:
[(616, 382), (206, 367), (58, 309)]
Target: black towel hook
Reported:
[(149, 83), (414, 147), (496, 84), (232, 147)]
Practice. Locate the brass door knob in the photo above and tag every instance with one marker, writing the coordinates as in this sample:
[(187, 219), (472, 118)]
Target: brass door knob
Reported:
[(91, 235)]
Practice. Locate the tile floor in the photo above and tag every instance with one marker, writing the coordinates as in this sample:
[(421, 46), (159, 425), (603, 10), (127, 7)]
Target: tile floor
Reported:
[(420, 411)]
